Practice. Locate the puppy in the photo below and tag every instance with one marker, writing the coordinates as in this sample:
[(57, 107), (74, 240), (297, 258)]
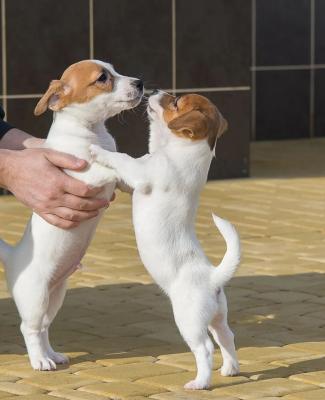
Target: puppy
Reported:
[(88, 93), (167, 184)]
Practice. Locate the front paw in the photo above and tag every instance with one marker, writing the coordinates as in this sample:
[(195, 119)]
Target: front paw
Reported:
[(99, 155)]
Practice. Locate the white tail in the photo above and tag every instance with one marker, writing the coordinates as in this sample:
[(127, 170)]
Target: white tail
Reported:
[(5, 250), (226, 269)]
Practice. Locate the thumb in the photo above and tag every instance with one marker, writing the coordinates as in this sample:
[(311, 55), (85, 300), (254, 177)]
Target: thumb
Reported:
[(64, 160)]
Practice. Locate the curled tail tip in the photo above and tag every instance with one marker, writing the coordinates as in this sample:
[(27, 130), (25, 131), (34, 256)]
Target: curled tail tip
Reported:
[(217, 220), (222, 223)]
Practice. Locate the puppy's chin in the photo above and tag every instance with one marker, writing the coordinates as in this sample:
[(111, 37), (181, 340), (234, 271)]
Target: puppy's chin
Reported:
[(130, 103), (135, 102)]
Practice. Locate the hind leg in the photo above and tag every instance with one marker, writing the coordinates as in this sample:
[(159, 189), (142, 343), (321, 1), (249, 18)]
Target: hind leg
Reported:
[(195, 333), (55, 302), (224, 337), (203, 352), (32, 303)]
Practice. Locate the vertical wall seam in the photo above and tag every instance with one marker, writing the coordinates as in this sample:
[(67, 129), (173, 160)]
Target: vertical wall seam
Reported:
[(4, 56), (91, 29), (312, 71), (253, 72), (174, 84)]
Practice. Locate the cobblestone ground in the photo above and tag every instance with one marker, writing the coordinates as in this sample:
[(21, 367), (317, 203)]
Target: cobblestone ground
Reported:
[(118, 329)]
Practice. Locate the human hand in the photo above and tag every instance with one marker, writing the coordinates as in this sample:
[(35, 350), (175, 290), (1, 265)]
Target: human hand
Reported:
[(35, 177), (33, 143)]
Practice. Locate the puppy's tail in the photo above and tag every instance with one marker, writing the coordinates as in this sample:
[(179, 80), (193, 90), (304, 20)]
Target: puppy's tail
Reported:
[(5, 250), (226, 269)]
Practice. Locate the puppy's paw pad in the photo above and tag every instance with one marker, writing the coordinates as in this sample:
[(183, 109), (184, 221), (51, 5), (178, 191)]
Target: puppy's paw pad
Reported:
[(43, 364), (230, 369), (196, 385), (59, 358)]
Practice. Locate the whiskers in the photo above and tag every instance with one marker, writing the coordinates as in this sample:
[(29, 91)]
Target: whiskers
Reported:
[(120, 117)]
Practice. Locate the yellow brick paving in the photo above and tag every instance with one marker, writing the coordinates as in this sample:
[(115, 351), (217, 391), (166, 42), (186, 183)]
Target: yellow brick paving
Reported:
[(117, 326)]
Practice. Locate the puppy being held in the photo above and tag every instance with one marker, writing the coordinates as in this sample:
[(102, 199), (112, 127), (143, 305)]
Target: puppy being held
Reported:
[(167, 183), (87, 94)]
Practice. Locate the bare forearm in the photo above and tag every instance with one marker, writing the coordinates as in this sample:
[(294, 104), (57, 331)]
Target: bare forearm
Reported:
[(15, 139), (4, 161)]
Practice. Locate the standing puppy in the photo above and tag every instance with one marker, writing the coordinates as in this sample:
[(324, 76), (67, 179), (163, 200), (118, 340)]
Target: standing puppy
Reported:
[(88, 93), (167, 184)]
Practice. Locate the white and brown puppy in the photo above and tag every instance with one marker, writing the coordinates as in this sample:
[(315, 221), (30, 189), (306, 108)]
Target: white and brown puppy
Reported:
[(167, 184), (88, 93)]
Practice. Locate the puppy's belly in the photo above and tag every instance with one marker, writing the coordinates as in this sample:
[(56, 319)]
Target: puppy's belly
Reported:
[(48, 253), (63, 252)]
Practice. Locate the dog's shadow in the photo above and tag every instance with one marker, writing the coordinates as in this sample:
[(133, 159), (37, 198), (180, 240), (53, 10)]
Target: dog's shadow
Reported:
[(135, 320)]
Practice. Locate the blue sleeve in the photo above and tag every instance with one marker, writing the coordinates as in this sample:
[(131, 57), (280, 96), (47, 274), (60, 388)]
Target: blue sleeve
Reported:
[(4, 126)]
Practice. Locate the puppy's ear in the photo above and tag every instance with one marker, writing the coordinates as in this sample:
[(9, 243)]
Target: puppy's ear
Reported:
[(192, 124), (223, 126), (55, 98), (220, 127)]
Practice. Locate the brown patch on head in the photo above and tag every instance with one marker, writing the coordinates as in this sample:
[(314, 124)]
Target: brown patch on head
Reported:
[(194, 117), (79, 83)]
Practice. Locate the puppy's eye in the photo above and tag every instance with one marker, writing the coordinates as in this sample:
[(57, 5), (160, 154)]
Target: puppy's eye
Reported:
[(175, 101), (102, 77)]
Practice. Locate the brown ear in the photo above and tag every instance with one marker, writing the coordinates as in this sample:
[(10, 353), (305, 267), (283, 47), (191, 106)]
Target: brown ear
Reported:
[(192, 124), (221, 126), (54, 98)]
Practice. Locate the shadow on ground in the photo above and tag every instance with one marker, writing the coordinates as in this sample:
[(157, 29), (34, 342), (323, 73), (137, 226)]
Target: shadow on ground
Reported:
[(135, 320)]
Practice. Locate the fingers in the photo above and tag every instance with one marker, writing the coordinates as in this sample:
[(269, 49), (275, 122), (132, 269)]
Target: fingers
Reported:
[(83, 204), (74, 215), (63, 160), (78, 188), (57, 221)]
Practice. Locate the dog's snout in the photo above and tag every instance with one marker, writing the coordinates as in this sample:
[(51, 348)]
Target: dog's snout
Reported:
[(138, 84)]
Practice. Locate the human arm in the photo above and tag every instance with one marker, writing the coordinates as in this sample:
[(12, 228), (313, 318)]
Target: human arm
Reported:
[(35, 177)]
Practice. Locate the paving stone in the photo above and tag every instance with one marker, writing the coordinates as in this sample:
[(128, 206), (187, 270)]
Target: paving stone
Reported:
[(126, 360), (71, 394), (318, 394), (177, 381), (315, 378), (128, 371), (119, 390), (190, 395), (34, 396), (186, 360), (53, 380), (264, 354), (276, 387), (4, 395), (310, 347), (19, 388)]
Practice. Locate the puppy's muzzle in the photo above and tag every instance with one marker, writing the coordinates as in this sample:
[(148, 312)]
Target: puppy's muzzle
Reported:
[(138, 84)]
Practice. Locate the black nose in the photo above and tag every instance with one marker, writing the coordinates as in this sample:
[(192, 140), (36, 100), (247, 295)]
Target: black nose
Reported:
[(138, 84), (155, 91)]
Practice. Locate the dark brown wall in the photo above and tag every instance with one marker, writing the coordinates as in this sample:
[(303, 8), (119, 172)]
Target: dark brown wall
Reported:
[(207, 49), (289, 77)]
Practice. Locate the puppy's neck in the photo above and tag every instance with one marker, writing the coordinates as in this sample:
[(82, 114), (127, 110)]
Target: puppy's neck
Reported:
[(69, 125), (74, 136)]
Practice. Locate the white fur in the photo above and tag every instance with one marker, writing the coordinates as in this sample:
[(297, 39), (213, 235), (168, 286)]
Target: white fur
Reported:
[(167, 184), (37, 267)]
